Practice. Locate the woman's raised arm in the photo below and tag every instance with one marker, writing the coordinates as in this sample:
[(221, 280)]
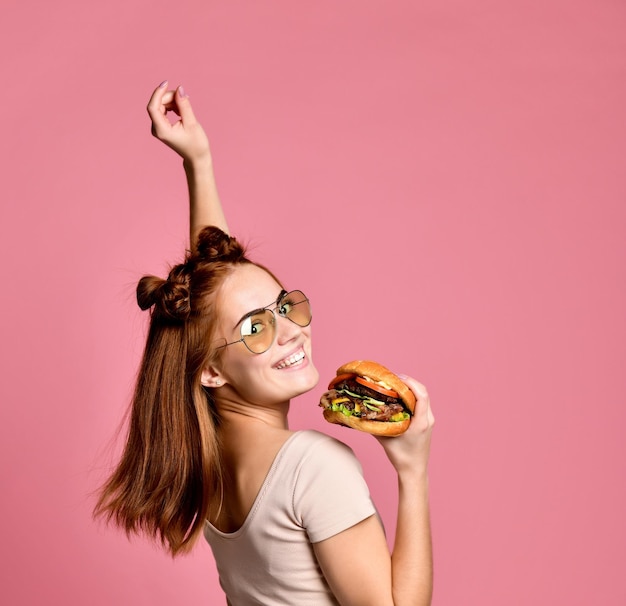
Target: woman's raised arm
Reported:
[(188, 139)]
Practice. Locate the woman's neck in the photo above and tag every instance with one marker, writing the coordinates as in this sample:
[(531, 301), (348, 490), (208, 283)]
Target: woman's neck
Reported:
[(237, 415)]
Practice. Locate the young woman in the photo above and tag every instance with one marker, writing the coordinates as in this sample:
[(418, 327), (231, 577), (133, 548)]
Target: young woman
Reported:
[(287, 514)]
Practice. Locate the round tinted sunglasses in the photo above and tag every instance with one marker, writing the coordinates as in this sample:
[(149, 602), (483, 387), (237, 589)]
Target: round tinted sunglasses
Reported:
[(258, 328)]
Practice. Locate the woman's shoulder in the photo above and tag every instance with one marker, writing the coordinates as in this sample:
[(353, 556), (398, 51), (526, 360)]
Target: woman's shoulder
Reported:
[(314, 448), (329, 492)]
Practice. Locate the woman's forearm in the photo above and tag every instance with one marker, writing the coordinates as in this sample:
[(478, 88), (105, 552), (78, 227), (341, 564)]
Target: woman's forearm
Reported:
[(412, 560), (205, 207)]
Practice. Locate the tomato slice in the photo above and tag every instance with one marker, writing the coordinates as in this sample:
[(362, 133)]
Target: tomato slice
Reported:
[(339, 379), (377, 387)]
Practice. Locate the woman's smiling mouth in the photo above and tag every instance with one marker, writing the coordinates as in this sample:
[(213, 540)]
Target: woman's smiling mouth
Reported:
[(292, 360)]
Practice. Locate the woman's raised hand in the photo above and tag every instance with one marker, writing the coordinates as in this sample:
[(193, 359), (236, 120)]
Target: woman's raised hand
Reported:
[(409, 452), (186, 135), (187, 138)]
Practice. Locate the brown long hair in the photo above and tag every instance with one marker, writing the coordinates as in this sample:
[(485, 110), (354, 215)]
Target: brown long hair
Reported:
[(170, 466)]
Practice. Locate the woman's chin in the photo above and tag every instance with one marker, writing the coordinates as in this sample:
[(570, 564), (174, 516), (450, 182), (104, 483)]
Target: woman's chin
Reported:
[(304, 380)]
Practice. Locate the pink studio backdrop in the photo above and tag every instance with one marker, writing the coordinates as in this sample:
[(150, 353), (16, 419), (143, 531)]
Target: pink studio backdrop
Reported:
[(447, 181)]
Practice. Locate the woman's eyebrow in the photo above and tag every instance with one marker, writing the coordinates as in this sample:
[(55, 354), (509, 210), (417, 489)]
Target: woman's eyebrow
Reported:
[(247, 315)]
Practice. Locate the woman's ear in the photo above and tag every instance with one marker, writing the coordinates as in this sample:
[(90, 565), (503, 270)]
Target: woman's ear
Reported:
[(211, 377)]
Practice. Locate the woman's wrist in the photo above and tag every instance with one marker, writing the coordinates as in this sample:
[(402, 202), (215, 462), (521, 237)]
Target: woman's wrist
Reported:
[(413, 474), (198, 164)]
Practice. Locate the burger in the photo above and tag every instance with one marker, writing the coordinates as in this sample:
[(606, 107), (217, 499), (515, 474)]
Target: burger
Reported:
[(367, 396)]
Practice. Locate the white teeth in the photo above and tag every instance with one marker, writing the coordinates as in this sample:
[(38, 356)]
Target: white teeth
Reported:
[(291, 360)]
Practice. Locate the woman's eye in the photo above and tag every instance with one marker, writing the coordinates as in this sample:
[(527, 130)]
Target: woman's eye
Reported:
[(256, 328), (287, 305), (252, 326)]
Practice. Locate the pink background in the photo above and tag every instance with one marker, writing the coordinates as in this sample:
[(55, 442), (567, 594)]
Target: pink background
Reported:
[(445, 179)]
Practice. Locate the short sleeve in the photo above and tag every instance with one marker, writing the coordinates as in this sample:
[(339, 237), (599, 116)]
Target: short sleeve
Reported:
[(330, 492)]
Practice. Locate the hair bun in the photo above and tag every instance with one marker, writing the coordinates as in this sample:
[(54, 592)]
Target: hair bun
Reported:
[(170, 297), (215, 245)]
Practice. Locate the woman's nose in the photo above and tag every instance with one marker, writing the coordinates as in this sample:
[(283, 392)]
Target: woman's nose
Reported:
[(286, 330)]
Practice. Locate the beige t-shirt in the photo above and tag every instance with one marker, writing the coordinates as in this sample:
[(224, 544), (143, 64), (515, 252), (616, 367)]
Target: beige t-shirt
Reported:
[(313, 490)]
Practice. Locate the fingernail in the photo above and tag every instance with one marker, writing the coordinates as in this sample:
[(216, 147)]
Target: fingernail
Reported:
[(181, 92), (163, 84), (402, 376)]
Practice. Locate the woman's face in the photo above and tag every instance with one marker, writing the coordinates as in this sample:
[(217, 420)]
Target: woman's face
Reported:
[(282, 372)]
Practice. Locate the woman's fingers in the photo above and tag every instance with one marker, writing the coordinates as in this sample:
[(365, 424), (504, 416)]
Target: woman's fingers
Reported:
[(409, 452), (163, 101), (183, 106), (423, 417), (417, 388), (157, 110), (169, 102), (185, 135), (155, 104)]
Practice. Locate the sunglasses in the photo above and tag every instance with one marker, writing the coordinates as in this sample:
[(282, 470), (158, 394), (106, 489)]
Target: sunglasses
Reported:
[(258, 328)]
